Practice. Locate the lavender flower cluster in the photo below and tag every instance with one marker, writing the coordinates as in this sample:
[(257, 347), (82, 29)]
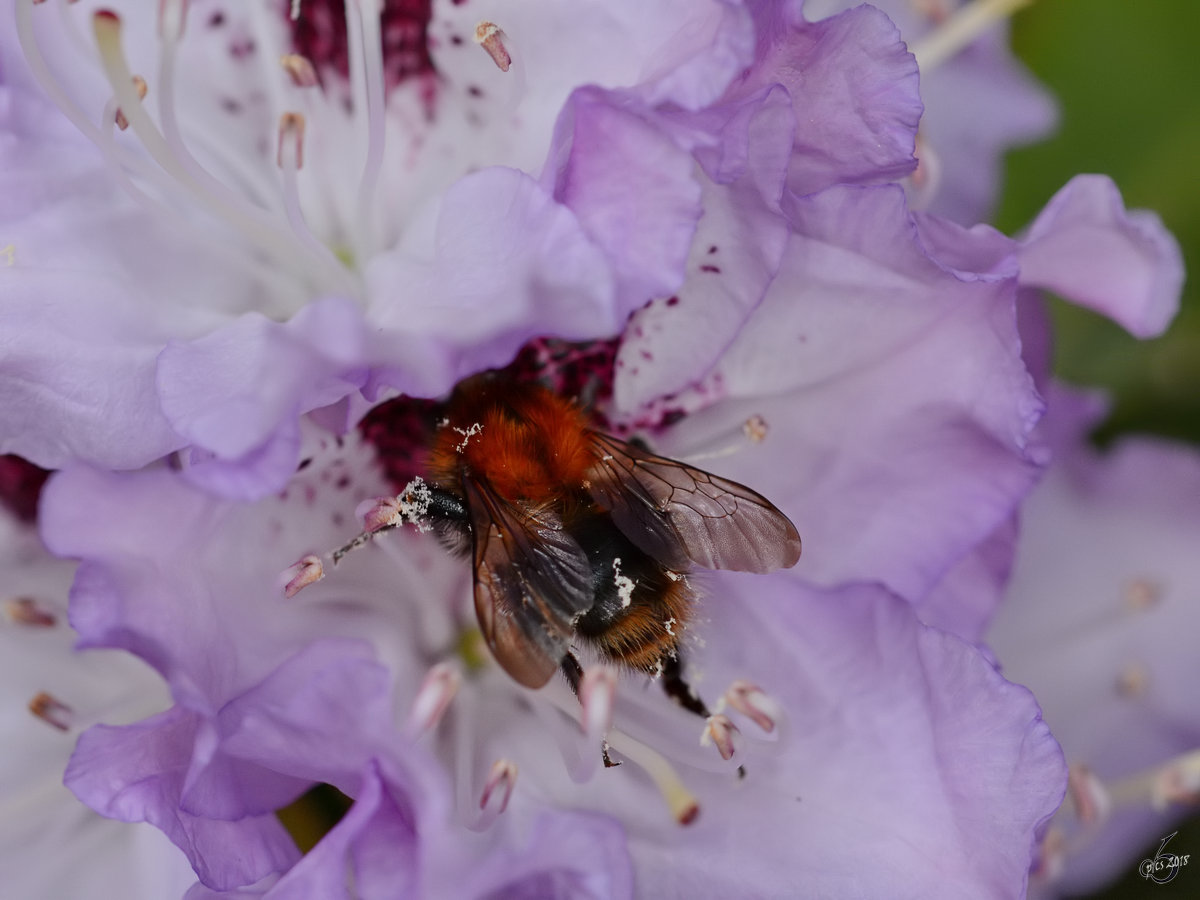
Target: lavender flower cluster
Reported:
[(246, 245)]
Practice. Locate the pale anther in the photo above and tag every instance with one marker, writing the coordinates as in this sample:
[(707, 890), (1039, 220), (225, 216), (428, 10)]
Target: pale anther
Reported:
[(26, 611), (1052, 856), (489, 36), (299, 69), (503, 777), (1177, 783), (1088, 795), (51, 710), (308, 570), (597, 695), (290, 153), (753, 703), (937, 11), (1140, 594), (139, 85), (1133, 680), (434, 697), (755, 428), (720, 731)]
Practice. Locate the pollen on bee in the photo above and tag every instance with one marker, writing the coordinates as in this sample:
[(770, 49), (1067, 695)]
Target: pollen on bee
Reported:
[(413, 503), (467, 434), (625, 585)]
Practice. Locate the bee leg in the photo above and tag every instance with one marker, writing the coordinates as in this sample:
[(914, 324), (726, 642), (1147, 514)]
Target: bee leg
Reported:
[(574, 671), (678, 689)]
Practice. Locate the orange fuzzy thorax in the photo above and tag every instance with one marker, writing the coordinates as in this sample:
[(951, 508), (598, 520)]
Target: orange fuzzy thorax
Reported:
[(526, 442)]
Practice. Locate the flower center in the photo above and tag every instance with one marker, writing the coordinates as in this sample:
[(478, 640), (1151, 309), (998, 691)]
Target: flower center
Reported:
[(21, 486), (401, 430), (319, 33), (196, 181)]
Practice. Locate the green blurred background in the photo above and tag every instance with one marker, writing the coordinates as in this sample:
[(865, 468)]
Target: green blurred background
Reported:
[(1127, 77)]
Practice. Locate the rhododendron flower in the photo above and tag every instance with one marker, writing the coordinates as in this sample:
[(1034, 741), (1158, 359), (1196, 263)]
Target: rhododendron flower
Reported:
[(717, 197), (865, 728), (1098, 622)]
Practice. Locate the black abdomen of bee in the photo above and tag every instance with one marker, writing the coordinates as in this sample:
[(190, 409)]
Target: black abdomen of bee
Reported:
[(639, 609)]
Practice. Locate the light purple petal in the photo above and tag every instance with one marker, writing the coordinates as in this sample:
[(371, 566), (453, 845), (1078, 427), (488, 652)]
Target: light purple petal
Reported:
[(374, 843), (1087, 248), (298, 726), (567, 854), (736, 252), (965, 599), (498, 262), (235, 394), (135, 773), (898, 406), (632, 187), (228, 390), (854, 89), (904, 750)]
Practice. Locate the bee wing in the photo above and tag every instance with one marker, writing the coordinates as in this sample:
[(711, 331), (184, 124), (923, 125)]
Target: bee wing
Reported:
[(532, 580), (678, 514)]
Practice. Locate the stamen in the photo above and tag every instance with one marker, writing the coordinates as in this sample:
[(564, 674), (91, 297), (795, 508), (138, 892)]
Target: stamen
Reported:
[(961, 29), (597, 696), (1051, 856), (1177, 783), (719, 730), (52, 711), (499, 784), (1133, 681), (679, 799), (300, 70), (1141, 594), (172, 14), (433, 699), (1089, 797), (295, 13), (290, 152), (363, 26), (41, 71), (308, 570), (754, 429), (139, 84), (251, 223), (753, 703), (489, 36), (937, 11), (26, 611)]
